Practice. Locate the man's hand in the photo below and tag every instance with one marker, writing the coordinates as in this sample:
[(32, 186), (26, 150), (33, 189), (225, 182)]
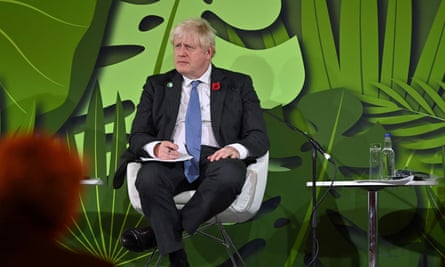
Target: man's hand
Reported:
[(223, 153), (166, 150)]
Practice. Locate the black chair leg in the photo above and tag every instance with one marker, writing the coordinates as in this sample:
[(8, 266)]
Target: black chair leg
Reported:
[(230, 246), (152, 258)]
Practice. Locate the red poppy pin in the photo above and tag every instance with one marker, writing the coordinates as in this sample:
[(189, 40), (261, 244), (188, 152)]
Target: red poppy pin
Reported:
[(216, 86)]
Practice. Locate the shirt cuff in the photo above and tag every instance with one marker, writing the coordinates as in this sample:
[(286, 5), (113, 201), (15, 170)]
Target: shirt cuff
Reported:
[(242, 150), (150, 148)]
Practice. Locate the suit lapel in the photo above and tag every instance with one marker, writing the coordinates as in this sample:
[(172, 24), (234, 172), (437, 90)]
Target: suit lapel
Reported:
[(217, 95), (173, 99)]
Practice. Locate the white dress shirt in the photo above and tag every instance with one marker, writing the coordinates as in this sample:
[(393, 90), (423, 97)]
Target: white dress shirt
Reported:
[(207, 136)]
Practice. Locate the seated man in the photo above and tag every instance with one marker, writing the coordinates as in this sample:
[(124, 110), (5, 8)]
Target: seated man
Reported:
[(198, 109)]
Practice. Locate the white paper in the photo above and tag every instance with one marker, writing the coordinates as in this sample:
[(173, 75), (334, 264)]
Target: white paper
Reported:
[(182, 157)]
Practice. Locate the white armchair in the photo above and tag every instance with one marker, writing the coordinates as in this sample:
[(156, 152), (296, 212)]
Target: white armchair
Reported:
[(245, 206)]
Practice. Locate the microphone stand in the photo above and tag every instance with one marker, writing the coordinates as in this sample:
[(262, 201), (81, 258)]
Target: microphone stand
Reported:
[(314, 208), (315, 147)]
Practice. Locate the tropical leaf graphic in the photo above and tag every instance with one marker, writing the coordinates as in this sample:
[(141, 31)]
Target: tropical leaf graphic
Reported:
[(397, 90), (286, 76), (119, 139), (104, 212), (348, 71), (411, 118), (57, 70)]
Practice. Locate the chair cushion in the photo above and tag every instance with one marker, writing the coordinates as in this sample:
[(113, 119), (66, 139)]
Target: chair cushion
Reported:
[(242, 209), (245, 198), (182, 198), (241, 205)]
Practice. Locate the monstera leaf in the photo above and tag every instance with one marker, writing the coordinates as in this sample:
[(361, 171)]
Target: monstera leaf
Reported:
[(341, 113), (48, 50), (277, 71)]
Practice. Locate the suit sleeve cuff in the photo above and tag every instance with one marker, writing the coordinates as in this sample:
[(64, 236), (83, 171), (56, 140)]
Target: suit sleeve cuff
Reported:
[(242, 150), (150, 148)]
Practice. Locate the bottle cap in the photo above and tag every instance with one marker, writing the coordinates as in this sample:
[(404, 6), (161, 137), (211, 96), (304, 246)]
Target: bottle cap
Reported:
[(387, 135)]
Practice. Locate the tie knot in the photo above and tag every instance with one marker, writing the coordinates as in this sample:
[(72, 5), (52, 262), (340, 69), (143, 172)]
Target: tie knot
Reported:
[(195, 83)]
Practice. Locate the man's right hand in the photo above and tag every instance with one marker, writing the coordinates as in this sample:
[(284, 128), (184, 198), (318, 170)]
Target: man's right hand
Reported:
[(166, 150)]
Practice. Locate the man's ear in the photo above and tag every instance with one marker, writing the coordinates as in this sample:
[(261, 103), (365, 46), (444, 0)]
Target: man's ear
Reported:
[(210, 51)]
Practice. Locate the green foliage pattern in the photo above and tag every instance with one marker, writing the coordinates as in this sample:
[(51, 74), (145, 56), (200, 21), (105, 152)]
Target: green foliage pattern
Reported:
[(344, 71)]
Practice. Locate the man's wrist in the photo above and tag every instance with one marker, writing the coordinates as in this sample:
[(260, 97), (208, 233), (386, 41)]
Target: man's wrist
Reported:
[(150, 148), (242, 150)]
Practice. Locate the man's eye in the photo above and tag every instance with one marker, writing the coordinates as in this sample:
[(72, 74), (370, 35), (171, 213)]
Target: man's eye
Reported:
[(189, 48)]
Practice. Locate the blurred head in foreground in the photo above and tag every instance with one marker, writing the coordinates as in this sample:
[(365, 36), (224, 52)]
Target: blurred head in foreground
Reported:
[(39, 184), (40, 181)]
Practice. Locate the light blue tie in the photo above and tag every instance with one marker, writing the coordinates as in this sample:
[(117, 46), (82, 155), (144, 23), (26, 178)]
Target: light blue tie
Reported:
[(193, 127)]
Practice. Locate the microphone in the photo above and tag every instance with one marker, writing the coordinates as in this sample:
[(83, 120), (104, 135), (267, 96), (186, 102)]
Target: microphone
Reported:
[(314, 143), (320, 149)]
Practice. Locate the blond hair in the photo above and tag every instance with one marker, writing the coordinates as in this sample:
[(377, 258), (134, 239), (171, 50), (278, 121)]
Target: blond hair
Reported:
[(200, 28)]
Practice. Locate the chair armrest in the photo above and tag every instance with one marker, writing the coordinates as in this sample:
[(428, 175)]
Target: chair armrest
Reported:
[(248, 202), (133, 194)]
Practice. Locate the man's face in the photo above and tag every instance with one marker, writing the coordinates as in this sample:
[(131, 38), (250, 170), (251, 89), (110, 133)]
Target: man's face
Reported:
[(190, 59)]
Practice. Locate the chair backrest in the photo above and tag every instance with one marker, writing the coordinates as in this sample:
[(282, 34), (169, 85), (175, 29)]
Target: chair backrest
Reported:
[(248, 202), (133, 194), (245, 206)]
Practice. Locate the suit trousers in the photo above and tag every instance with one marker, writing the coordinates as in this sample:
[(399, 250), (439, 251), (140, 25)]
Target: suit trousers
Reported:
[(216, 188)]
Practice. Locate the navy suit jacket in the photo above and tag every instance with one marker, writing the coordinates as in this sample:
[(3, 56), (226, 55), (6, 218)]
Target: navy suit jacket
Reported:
[(236, 114), (235, 111)]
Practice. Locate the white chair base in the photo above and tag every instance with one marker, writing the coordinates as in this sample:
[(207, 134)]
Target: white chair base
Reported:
[(224, 239), (245, 206)]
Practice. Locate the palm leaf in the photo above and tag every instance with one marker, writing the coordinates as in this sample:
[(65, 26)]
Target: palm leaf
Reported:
[(70, 140), (424, 144), (393, 95), (418, 130), (30, 120), (119, 141), (165, 37), (318, 37), (397, 42), (359, 40), (95, 152), (396, 120), (431, 66), (377, 101), (415, 95), (401, 115), (381, 110), (434, 95), (443, 160), (94, 140)]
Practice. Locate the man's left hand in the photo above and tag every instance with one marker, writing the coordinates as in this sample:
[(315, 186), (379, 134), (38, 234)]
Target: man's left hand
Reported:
[(223, 153)]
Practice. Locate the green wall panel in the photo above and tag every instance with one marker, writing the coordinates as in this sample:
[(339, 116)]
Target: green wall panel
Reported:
[(344, 71)]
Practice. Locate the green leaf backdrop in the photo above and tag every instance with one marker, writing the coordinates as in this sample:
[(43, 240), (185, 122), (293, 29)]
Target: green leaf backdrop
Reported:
[(344, 71)]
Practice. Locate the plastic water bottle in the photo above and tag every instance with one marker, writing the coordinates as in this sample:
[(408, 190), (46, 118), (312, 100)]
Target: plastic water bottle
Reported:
[(388, 158)]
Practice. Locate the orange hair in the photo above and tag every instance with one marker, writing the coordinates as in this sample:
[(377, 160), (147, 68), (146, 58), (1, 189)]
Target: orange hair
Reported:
[(39, 183)]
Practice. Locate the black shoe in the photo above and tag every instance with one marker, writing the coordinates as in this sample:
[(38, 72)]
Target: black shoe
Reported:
[(178, 259), (180, 264), (138, 239)]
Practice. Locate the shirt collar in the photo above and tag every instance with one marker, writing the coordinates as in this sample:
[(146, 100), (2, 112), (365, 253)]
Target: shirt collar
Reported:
[(205, 78)]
